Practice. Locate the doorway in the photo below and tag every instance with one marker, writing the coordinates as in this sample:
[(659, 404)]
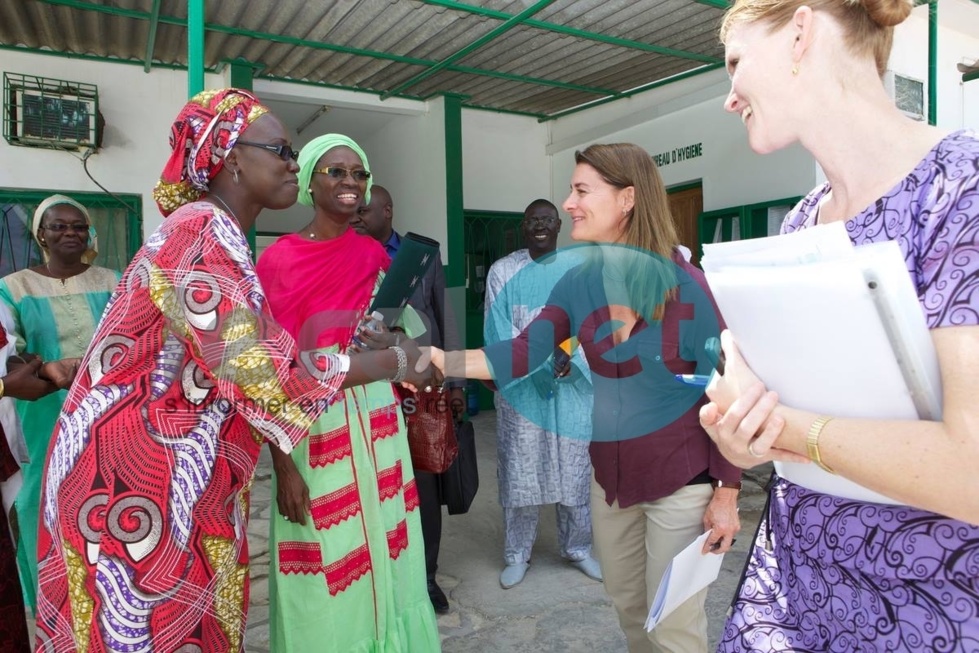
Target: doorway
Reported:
[(686, 205)]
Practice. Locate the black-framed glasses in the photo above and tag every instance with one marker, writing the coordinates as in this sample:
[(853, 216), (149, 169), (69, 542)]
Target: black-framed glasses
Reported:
[(60, 227), (541, 221), (336, 172), (284, 152)]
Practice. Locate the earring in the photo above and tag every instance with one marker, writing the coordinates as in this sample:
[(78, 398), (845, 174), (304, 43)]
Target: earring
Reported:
[(235, 173), (795, 70)]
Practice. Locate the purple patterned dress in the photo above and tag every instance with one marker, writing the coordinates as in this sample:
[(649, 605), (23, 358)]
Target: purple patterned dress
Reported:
[(832, 574)]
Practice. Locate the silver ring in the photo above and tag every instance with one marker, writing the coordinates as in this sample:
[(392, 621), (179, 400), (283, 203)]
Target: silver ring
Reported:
[(752, 451)]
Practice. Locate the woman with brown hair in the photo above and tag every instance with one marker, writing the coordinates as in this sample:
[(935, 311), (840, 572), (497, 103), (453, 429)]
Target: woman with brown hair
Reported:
[(642, 314)]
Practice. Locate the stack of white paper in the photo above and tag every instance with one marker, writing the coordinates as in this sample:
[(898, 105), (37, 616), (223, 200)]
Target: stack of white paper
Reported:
[(689, 572), (832, 328)]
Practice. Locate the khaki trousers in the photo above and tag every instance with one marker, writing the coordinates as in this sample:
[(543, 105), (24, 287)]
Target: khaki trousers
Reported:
[(634, 545)]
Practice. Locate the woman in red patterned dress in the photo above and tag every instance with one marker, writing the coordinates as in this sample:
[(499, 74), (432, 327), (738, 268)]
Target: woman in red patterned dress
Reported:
[(145, 504)]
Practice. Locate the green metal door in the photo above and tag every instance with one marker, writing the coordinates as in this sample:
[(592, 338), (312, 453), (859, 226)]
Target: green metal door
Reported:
[(489, 236)]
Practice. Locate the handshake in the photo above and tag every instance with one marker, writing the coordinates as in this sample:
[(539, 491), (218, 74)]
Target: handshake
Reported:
[(420, 372), (28, 377)]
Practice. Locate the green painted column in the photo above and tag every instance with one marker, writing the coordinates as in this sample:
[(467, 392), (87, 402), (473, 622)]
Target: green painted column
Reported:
[(243, 76), (243, 73), (933, 62), (455, 274), (195, 47)]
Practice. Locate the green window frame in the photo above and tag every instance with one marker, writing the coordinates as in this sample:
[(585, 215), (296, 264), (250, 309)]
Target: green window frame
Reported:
[(741, 222), (118, 222)]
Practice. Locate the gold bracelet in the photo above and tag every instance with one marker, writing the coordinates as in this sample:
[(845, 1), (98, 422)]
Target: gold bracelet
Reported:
[(1, 388), (812, 442)]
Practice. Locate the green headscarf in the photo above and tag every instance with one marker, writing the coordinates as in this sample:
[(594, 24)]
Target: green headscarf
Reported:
[(312, 152)]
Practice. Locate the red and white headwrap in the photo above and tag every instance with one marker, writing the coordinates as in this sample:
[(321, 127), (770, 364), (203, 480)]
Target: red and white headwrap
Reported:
[(202, 135)]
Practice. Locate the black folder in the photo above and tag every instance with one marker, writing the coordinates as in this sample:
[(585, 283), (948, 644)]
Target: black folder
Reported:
[(415, 256)]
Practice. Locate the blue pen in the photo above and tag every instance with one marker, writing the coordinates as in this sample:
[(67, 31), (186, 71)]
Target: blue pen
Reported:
[(693, 379)]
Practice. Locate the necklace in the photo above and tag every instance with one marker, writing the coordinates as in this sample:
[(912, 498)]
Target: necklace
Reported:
[(224, 205), (57, 276), (312, 232)]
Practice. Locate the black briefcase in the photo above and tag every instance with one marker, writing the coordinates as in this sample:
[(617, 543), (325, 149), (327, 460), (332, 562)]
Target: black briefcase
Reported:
[(459, 483)]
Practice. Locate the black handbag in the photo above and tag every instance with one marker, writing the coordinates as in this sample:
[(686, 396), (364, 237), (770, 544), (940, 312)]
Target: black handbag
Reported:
[(459, 483)]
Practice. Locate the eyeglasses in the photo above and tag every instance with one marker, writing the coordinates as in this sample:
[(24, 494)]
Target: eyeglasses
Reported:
[(60, 228), (537, 221), (284, 152), (341, 173)]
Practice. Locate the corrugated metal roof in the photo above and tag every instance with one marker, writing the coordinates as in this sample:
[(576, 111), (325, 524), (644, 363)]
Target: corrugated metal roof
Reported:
[(561, 54)]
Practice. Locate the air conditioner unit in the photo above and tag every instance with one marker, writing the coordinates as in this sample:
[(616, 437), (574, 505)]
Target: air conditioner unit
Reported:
[(41, 112), (908, 94)]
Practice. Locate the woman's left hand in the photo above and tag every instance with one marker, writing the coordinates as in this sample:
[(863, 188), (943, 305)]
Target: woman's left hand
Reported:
[(721, 517), (61, 373), (379, 339), (740, 417)]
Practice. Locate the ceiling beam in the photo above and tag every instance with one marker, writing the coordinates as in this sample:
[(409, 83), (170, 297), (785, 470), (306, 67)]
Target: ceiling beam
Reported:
[(340, 87), (319, 45), (717, 4), (639, 89), (510, 23), (95, 57), (151, 35), (580, 33)]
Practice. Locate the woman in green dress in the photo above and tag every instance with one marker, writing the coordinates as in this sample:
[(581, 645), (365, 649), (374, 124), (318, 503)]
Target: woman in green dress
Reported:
[(348, 560), (56, 307)]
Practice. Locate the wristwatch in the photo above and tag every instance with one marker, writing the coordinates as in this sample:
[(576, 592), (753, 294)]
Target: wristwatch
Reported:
[(716, 483)]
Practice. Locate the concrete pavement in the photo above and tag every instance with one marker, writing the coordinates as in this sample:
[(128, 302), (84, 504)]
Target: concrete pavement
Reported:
[(556, 608)]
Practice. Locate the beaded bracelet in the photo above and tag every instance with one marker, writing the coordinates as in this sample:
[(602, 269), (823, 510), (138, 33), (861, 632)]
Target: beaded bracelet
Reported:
[(402, 365)]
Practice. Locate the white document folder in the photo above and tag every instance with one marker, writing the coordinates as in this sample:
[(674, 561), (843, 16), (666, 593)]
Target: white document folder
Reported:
[(689, 572), (832, 328)]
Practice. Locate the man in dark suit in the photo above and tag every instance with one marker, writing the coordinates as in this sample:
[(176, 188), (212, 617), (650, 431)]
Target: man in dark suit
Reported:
[(374, 219)]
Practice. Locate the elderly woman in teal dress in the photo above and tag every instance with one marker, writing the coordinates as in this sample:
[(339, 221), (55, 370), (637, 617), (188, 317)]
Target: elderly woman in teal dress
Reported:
[(56, 307)]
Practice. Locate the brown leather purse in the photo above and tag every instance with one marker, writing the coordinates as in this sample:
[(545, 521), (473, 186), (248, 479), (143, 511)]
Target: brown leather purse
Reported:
[(431, 430)]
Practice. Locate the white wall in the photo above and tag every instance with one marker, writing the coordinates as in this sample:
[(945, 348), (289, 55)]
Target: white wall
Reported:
[(686, 113), (138, 108), (411, 164), (690, 111), (395, 134), (505, 163), (406, 156), (958, 42)]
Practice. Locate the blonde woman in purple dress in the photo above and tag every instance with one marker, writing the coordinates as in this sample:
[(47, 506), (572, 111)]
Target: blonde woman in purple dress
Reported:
[(828, 573)]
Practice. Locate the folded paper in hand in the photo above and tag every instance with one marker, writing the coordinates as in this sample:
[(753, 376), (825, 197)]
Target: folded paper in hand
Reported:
[(832, 328), (689, 572)]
